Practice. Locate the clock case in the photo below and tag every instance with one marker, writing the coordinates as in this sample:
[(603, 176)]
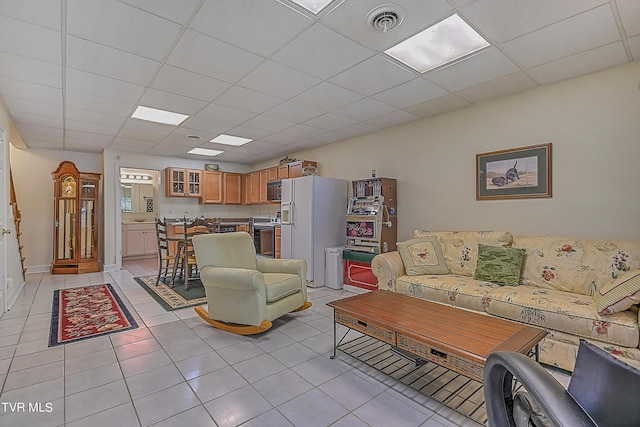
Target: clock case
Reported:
[(75, 221)]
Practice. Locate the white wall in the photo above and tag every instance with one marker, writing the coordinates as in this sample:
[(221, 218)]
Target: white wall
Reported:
[(592, 121), (594, 125)]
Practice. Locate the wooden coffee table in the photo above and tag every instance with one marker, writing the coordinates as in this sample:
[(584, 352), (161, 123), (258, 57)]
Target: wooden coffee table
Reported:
[(455, 338)]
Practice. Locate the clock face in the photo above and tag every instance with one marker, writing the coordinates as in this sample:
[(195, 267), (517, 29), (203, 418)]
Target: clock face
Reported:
[(68, 187)]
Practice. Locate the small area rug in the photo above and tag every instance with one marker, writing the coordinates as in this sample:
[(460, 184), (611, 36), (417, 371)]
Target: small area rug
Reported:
[(87, 312), (174, 298)]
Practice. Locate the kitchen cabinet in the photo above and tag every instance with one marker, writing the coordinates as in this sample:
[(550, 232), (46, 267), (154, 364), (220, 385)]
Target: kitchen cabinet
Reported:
[(232, 184), (213, 191), (264, 177), (140, 239), (272, 173), (253, 188), (181, 182), (294, 169)]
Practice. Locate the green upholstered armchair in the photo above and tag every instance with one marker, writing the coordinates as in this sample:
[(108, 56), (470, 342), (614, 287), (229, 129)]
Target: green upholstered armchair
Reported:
[(245, 293)]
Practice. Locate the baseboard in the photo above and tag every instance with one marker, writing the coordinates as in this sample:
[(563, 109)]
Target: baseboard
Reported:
[(107, 268), (38, 269)]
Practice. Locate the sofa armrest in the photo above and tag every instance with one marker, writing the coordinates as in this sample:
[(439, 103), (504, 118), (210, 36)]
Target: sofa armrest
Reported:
[(387, 267), (238, 279), (277, 265)]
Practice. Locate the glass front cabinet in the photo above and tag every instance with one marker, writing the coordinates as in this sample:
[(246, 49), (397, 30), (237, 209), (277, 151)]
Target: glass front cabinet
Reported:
[(76, 220)]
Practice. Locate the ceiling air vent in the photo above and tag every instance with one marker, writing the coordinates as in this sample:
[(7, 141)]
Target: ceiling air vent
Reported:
[(386, 17)]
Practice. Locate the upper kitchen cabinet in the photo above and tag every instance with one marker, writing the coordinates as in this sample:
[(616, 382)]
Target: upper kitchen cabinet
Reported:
[(294, 169), (264, 177), (213, 191), (183, 182), (272, 173), (232, 183)]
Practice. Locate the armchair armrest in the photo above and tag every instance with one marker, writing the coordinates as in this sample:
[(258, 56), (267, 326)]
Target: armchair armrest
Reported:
[(387, 267), (555, 403), (291, 266), (239, 279)]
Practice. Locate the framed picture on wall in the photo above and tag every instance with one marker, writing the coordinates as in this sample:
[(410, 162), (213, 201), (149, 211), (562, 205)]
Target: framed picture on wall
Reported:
[(517, 173)]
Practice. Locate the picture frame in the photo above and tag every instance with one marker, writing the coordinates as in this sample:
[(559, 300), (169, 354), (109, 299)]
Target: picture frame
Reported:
[(516, 173)]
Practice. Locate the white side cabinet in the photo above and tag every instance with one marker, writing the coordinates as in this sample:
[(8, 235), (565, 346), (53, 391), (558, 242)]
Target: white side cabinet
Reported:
[(140, 239)]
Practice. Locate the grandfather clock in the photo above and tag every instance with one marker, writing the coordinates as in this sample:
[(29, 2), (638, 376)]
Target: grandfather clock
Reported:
[(76, 220)]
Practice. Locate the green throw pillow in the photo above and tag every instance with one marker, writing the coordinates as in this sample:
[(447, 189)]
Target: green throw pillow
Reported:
[(499, 265)]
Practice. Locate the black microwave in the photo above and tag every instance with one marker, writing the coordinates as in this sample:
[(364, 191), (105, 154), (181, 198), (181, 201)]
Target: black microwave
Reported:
[(274, 191)]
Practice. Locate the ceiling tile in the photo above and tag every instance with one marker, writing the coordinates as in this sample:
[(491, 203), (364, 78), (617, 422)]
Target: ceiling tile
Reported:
[(504, 20), (91, 127), (45, 14), (79, 135), (488, 65), (331, 121), (303, 131), (32, 41), (103, 87), (359, 129), (411, 93), (29, 119), (577, 34), (322, 52), (394, 119), (146, 131), (198, 124), (176, 11), (224, 114), (327, 96), (41, 130), (579, 64), (372, 76), (248, 132), (349, 19), (202, 54), (630, 15), (109, 62), (293, 111), (278, 80), (248, 100), (162, 100), (187, 83), (280, 138), (100, 105), (80, 115), (30, 70), (33, 107), (115, 24), (634, 46), (266, 26), (267, 123), (513, 83), (32, 91), (438, 106), (365, 109)]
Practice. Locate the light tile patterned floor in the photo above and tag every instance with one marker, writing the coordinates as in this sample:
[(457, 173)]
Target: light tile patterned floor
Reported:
[(175, 370)]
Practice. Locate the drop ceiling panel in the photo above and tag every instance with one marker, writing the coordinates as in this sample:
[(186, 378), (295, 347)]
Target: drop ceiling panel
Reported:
[(96, 138), (30, 70), (504, 20), (513, 83), (91, 127), (247, 99), (331, 121), (103, 87), (393, 119), (349, 19), (634, 46), (162, 100), (33, 107), (32, 41), (438, 106), (224, 114), (267, 123), (206, 125), (101, 105), (176, 11), (294, 111), (365, 109), (32, 91), (372, 76), (81, 115), (277, 80), (488, 65), (411, 93), (327, 96), (109, 62), (205, 55), (121, 26), (41, 130), (146, 131), (266, 25), (359, 129), (187, 83), (45, 14), (322, 52), (27, 119), (630, 15), (575, 65), (577, 34), (248, 132)]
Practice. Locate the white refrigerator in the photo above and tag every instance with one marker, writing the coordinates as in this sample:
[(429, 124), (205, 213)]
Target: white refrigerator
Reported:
[(313, 218)]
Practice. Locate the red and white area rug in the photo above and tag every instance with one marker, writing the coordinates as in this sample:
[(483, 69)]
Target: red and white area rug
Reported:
[(87, 312)]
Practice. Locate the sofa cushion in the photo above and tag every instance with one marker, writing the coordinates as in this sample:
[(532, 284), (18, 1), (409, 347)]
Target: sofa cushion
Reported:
[(458, 291), (499, 265), (563, 311), (619, 294), (460, 248), (610, 259), (422, 255), (280, 285)]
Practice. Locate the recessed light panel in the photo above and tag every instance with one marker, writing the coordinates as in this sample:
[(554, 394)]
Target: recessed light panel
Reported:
[(230, 140), (205, 152), (440, 44), (158, 116), (314, 6)]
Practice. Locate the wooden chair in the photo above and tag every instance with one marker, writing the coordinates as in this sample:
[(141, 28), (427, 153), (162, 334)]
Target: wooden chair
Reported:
[(166, 261), (185, 260)]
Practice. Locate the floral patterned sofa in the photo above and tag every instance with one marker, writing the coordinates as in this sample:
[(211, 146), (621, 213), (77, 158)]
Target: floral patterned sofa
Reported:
[(573, 288)]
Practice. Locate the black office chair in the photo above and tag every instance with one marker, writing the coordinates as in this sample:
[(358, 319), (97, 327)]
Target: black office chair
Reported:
[(603, 391)]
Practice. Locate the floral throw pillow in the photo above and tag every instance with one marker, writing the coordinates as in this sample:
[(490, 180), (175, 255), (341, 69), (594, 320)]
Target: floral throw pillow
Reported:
[(422, 255), (502, 266), (619, 294)]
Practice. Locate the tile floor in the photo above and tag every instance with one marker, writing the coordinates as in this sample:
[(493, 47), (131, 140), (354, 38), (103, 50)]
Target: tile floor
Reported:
[(176, 370)]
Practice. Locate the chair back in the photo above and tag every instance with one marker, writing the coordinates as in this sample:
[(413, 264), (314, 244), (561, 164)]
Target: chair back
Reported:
[(234, 250), (161, 237), (605, 387)]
